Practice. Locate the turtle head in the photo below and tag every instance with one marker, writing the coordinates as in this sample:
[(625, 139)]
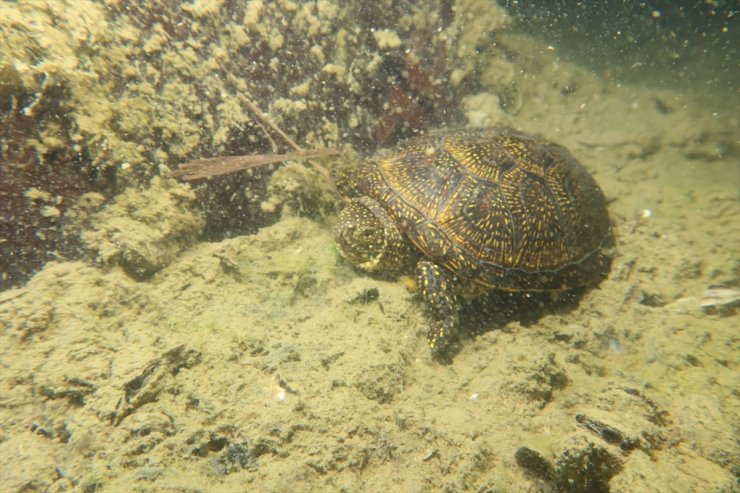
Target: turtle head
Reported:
[(367, 236)]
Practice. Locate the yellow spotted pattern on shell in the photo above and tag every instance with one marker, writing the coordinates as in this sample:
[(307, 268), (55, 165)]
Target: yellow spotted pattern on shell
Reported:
[(496, 206)]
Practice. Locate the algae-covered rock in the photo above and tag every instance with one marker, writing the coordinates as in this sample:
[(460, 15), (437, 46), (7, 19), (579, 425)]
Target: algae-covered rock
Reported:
[(381, 383), (536, 378), (130, 87), (685, 471), (27, 463), (295, 189), (98, 96), (585, 466), (144, 230)]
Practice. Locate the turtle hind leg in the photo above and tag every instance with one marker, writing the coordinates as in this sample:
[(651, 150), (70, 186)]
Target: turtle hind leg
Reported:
[(438, 294)]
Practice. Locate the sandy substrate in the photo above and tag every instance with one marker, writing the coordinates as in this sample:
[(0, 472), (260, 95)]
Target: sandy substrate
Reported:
[(266, 363)]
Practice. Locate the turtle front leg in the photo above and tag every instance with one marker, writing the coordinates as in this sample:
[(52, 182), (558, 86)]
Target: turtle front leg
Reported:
[(438, 293)]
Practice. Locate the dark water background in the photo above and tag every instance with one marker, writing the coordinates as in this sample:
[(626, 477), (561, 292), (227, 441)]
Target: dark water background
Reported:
[(691, 45)]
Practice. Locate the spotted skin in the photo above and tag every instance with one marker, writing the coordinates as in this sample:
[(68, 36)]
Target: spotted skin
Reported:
[(481, 209), (436, 289), (369, 238)]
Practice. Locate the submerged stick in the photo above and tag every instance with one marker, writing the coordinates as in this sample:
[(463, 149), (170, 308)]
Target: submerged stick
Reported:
[(206, 168)]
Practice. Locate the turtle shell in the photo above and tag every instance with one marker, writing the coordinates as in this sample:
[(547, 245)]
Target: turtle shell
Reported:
[(498, 207)]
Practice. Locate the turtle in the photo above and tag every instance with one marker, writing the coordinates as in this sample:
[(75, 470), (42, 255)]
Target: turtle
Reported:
[(474, 210)]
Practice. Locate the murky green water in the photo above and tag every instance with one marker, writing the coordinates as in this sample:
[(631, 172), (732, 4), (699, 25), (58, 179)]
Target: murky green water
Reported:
[(163, 335)]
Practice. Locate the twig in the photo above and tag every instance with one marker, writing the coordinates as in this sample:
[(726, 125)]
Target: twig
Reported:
[(275, 148), (266, 120), (205, 168), (253, 107)]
